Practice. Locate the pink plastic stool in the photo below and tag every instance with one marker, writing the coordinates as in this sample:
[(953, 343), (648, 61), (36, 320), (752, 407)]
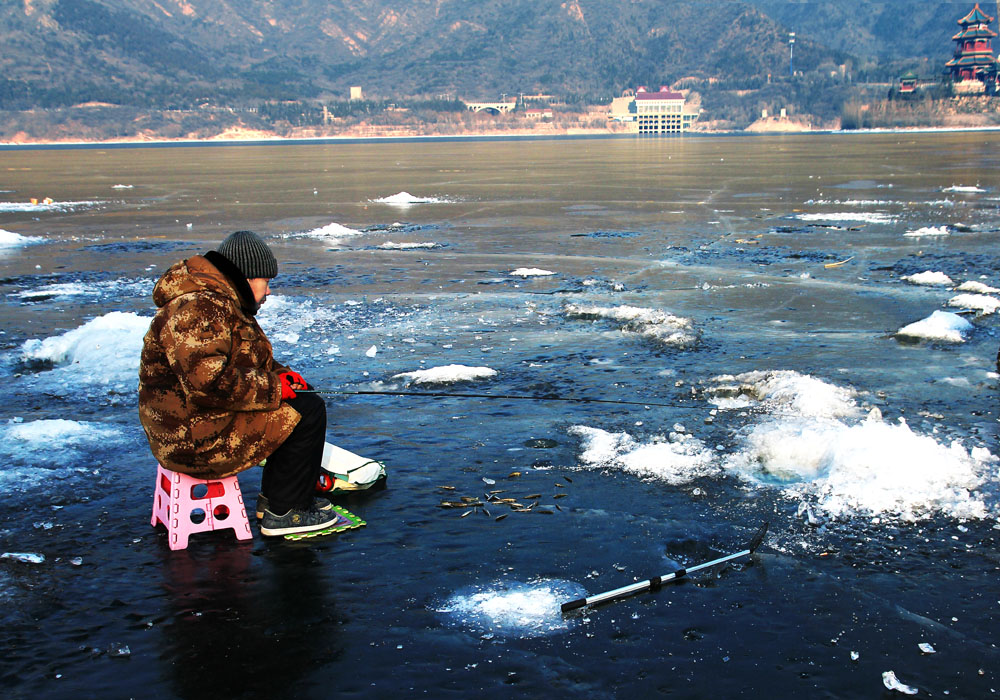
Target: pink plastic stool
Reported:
[(178, 496)]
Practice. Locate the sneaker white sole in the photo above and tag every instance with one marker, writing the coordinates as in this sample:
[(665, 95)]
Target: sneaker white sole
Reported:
[(275, 532)]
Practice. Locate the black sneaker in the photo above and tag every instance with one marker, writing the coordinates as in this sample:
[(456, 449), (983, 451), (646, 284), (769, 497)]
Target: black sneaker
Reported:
[(318, 504), (297, 520)]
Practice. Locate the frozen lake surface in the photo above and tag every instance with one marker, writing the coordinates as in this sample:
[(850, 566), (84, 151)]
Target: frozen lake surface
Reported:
[(794, 329)]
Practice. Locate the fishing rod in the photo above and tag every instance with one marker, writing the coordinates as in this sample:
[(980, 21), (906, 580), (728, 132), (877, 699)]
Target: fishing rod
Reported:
[(514, 397), (657, 581)]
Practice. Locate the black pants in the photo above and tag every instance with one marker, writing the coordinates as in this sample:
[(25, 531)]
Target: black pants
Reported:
[(291, 472)]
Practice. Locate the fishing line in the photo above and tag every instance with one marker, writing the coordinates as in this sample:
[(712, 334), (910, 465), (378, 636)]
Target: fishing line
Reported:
[(512, 397)]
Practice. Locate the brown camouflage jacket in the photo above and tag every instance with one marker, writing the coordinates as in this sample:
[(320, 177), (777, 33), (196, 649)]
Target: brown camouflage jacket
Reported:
[(209, 393)]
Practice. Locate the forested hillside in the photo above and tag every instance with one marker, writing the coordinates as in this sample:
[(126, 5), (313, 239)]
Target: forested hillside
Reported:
[(241, 54)]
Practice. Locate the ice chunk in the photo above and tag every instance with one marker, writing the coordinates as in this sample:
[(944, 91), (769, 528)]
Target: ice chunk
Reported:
[(332, 230), (928, 231), (784, 390), (940, 325), (926, 648), (929, 278), (530, 272), (977, 288), (26, 557), (978, 302), (870, 468), (890, 681), (512, 608), (426, 245), (676, 460), (9, 239), (372, 351), (447, 374), (866, 217), (406, 199), (966, 189), (660, 326)]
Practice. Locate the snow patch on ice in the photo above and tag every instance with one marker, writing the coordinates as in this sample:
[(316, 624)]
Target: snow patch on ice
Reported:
[(62, 290), (675, 458), (332, 231), (104, 351), (447, 374), (405, 199), (530, 272), (928, 231), (9, 239), (34, 452), (977, 288), (812, 444), (978, 302), (786, 391), (24, 557), (512, 609), (46, 205), (865, 217), (929, 278), (654, 324), (940, 325), (389, 245), (965, 189)]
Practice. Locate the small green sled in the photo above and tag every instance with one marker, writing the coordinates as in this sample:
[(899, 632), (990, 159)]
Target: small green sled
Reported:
[(347, 521)]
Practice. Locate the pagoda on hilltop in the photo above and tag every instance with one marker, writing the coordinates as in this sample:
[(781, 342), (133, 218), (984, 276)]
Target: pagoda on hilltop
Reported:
[(973, 69)]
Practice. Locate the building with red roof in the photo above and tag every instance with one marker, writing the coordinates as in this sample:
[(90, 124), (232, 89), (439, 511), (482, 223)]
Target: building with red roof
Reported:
[(661, 112), (973, 68)]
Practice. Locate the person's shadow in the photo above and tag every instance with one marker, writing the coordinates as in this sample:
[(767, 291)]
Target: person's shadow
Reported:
[(245, 623)]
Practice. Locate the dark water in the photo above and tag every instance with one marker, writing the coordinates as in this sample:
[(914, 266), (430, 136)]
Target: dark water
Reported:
[(717, 231)]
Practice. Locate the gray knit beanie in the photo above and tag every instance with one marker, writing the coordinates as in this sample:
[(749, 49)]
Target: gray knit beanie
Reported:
[(250, 254)]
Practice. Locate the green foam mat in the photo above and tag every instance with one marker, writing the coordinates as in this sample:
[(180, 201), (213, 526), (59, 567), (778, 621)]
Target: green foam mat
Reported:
[(349, 521)]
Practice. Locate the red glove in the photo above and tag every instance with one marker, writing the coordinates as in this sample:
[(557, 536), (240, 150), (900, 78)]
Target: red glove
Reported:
[(287, 379), (296, 378)]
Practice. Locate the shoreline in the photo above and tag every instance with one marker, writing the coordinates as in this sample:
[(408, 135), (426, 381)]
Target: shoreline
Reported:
[(262, 139)]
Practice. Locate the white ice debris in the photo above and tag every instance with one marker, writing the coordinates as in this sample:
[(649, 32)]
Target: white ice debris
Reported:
[(46, 205), (447, 374), (530, 272), (890, 681), (426, 245), (977, 302), (940, 325), (128, 287), (928, 231), (976, 288), (676, 458), (967, 189), (929, 278), (372, 351), (9, 239), (926, 648), (654, 324), (862, 216), (405, 199), (784, 390), (332, 231), (512, 608), (103, 351), (122, 187), (36, 452), (25, 557), (813, 444)]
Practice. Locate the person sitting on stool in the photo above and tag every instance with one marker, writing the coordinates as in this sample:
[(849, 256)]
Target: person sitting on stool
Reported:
[(212, 399)]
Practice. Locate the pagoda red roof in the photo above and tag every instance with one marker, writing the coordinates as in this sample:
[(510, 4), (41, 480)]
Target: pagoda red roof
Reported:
[(977, 16), (975, 33)]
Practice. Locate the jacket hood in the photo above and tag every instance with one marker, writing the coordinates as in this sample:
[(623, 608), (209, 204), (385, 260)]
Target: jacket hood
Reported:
[(196, 274)]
